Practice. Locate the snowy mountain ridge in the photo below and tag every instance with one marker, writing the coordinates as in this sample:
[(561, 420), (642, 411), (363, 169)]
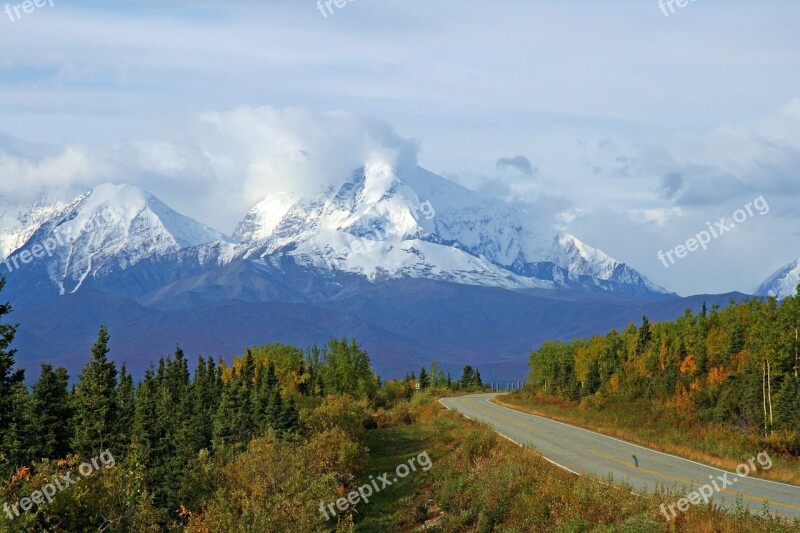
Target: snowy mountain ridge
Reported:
[(108, 229), (380, 225), (375, 224)]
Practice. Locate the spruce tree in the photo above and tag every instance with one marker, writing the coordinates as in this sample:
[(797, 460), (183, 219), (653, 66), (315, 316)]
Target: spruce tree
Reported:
[(144, 420), (289, 420), (10, 379), (644, 336), (249, 370), (304, 379), (50, 414), (179, 441), (233, 419), (205, 399), (467, 377), (95, 410), (266, 387), (17, 441), (126, 407), (275, 411), (735, 341), (424, 381)]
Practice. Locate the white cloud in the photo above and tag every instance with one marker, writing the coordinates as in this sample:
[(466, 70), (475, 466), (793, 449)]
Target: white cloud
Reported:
[(658, 216), (217, 165)]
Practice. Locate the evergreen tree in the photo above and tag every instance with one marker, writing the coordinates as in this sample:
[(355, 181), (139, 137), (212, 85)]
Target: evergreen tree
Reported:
[(289, 419), (424, 381), (467, 377), (266, 388), (144, 420), (249, 370), (95, 410), (275, 411), (304, 380), (644, 336), (735, 341), (17, 442), (206, 392), (178, 439), (477, 380), (50, 414), (233, 421), (10, 379), (126, 407)]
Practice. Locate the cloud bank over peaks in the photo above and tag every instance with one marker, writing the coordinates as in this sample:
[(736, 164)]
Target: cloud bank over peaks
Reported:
[(217, 165)]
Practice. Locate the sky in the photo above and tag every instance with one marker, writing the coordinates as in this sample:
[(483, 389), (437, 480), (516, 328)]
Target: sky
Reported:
[(638, 130)]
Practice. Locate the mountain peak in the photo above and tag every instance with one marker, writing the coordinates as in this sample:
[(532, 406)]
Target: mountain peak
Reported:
[(378, 224), (782, 283), (110, 228)]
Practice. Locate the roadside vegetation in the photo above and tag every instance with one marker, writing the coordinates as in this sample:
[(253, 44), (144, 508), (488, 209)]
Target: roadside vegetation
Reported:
[(715, 387)]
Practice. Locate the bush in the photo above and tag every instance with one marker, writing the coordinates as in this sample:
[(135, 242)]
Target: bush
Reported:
[(352, 416), (277, 485)]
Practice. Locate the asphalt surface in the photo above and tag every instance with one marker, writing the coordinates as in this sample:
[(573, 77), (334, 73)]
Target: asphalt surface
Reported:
[(583, 452)]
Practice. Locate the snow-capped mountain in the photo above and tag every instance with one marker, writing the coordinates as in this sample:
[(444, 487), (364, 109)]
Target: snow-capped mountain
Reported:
[(582, 262), (376, 225), (381, 225), (412, 265), (782, 283), (19, 223), (107, 230)]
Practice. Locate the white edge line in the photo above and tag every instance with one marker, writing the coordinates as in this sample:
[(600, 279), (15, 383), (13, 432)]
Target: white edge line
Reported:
[(518, 444), (638, 446)]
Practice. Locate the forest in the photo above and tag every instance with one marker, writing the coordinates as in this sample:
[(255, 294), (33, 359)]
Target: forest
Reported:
[(734, 368), (183, 443)]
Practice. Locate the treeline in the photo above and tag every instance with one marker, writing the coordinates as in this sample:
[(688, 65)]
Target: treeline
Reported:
[(737, 367), (470, 379), (168, 418), (195, 450)]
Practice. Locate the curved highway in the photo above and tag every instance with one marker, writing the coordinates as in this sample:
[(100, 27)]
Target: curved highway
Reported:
[(581, 451)]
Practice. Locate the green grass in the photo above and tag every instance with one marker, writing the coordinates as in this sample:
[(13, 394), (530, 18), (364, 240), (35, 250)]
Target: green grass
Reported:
[(388, 448)]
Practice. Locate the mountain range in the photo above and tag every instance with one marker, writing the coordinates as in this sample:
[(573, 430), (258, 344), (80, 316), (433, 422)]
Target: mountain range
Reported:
[(415, 266)]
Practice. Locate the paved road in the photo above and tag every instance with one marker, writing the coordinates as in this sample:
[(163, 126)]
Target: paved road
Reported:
[(585, 452)]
